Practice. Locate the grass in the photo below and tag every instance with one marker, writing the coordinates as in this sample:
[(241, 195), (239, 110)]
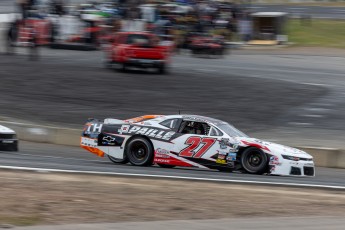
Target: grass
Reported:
[(20, 220), (319, 32)]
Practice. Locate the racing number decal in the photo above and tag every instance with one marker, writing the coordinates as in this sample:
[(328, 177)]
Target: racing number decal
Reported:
[(193, 143)]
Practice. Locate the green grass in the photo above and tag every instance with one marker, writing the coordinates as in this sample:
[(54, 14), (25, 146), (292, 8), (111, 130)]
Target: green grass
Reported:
[(20, 220), (320, 32)]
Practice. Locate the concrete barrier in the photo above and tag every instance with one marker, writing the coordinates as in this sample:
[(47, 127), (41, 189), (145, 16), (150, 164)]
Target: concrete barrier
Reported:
[(327, 157), (323, 157), (45, 134)]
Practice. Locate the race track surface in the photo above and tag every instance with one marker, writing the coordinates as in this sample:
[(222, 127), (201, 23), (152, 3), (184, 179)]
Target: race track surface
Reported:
[(70, 88), (48, 156)]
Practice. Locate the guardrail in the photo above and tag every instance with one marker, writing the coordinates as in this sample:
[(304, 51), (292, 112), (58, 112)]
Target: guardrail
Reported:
[(324, 157)]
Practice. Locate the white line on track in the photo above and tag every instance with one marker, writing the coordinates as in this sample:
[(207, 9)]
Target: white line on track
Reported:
[(55, 157), (300, 124), (297, 8), (173, 177), (312, 115), (272, 69)]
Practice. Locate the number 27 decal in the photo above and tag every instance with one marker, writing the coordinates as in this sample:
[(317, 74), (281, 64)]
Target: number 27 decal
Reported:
[(193, 143)]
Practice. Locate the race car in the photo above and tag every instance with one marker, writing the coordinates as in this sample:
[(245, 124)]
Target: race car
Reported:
[(138, 49), (191, 141), (207, 45), (8, 139)]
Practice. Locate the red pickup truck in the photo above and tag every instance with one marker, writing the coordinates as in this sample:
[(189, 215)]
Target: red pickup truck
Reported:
[(138, 49)]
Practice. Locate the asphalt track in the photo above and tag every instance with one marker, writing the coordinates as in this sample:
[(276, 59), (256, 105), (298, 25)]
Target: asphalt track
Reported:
[(46, 156)]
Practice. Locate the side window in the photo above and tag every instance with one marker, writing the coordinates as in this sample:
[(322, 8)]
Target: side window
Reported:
[(215, 132), (170, 123), (192, 127)]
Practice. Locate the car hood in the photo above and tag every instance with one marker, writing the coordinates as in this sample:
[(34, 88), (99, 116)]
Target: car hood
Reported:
[(4, 129), (273, 148)]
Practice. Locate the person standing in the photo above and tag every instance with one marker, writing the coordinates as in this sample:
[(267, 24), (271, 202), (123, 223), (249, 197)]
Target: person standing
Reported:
[(23, 7)]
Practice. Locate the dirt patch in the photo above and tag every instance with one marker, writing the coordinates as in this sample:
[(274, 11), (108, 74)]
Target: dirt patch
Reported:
[(44, 198)]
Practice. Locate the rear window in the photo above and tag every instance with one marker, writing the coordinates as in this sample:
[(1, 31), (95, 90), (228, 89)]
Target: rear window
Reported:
[(139, 39)]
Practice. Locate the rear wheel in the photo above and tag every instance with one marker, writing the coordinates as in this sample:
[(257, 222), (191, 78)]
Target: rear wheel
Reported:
[(254, 161), (140, 152), (118, 160), (123, 67)]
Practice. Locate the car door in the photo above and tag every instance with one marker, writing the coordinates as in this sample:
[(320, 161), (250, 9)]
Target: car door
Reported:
[(195, 143)]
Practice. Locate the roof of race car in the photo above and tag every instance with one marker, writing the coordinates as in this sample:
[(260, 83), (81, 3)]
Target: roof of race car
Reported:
[(188, 117)]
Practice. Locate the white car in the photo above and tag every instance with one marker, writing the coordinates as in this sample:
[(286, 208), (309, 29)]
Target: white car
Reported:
[(191, 141), (8, 139)]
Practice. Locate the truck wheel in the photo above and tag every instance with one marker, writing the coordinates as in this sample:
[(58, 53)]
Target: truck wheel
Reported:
[(162, 69), (140, 152), (254, 161), (123, 67), (118, 160)]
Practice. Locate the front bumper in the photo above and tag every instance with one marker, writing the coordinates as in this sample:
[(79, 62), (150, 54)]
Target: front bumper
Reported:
[(293, 168), (9, 144)]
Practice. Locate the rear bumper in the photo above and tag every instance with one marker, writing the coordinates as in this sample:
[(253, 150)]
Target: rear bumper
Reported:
[(145, 63)]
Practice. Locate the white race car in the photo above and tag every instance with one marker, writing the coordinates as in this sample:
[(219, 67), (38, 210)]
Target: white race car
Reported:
[(8, 139), (191, 141)]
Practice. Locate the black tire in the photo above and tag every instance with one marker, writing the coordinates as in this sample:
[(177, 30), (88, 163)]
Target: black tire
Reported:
[(123, 67), (139, 152), (117, 160), (162, 69), (166, 166), (254, 161)]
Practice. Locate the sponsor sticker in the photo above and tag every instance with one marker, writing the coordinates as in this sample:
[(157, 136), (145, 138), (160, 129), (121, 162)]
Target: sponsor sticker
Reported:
[(162, 161), (154, 133), (162, 151), (274, 160), (161, 155), (223, 143), (221, 161), (221, 157), (231, 156)]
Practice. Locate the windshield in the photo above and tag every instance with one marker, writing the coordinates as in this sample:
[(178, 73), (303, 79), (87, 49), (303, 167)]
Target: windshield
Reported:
[(231, 130)]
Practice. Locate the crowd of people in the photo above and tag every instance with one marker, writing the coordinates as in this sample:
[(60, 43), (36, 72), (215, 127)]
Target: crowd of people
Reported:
[(177, 18)]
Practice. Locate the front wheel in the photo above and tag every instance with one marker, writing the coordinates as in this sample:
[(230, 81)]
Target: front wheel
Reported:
[(140, 152), (254, 161)]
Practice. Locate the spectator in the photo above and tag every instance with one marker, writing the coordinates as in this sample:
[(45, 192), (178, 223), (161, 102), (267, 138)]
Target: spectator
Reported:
[(23, 7)]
